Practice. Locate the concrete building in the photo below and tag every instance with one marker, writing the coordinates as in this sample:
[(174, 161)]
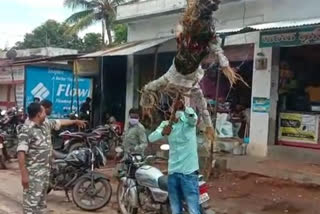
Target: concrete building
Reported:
[(12, 77), (40, 52), (154, 19)]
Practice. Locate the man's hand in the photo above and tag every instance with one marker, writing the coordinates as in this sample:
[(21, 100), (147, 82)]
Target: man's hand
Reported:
[(80, 123), (166, 130), (178, 104), (25, 179), (23, 169)]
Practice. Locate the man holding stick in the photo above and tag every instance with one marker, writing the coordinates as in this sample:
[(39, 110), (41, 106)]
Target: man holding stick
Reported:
[(183, 157)]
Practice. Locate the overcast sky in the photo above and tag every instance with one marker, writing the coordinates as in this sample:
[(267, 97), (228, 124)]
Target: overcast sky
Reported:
[(18, 17)]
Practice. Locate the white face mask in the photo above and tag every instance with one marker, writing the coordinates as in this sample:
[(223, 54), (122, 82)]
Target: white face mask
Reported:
[(133, 121), (179, 114)]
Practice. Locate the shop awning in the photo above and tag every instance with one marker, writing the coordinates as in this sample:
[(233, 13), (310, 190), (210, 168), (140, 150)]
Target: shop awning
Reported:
[(129, 48), (272, 26), (285, 24)]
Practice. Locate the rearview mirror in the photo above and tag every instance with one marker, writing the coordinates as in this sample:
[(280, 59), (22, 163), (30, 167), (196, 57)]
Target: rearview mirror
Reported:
[(118, 149), (3, 112), (165, 147)]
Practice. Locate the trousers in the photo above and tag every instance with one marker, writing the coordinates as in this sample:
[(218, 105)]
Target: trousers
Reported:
[(34, 198), (184, 188)]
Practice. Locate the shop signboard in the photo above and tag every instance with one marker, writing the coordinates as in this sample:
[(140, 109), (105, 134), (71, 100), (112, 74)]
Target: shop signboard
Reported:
[(299, 128), (291, 37), (261, 105), (57, 86)]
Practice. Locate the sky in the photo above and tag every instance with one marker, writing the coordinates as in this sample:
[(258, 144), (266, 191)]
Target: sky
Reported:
[(18, 17)]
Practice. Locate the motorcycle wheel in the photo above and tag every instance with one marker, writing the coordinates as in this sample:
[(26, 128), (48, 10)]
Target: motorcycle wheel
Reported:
[(86, 193), (76, 146), (124, 205)]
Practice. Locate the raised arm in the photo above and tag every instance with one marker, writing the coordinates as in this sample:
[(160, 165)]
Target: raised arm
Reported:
[(57, 124), (79, 123), (158, 133)]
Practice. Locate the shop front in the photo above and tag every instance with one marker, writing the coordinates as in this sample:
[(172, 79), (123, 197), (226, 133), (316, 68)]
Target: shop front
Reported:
[(11, 86), (230, 106), (298, 110)]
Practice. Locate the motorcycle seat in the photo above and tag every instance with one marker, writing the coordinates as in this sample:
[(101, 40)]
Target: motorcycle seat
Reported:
[(59, 155), (163, 183)]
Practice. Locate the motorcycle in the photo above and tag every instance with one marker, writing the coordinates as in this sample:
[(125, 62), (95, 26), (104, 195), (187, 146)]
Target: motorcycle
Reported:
[(74, 172), (10, 123), (3, 153), (145, 188), (76, 140), (58, 138), (10, 119)]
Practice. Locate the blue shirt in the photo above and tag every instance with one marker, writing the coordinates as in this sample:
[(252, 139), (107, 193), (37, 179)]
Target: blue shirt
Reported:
[(183, 153)]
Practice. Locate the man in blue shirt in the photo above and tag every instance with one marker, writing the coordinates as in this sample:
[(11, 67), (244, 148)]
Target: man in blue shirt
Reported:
[(183, 157)]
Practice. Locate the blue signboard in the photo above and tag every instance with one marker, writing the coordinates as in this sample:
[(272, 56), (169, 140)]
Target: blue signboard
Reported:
[(56, 85)]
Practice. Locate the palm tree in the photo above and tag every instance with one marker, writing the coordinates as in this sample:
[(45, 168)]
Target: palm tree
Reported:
[(92, 11)]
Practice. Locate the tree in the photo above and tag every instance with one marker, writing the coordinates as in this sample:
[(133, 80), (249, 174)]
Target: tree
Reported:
[(52, 34), (92, 11), (120, 33), (92, 42)]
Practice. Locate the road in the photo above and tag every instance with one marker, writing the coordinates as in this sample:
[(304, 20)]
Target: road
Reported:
[(11, 197), (230, 192)]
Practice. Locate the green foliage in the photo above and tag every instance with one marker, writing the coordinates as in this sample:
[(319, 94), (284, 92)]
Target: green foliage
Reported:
[(120, 33), (53, 34), (92, 11), (92, 42)]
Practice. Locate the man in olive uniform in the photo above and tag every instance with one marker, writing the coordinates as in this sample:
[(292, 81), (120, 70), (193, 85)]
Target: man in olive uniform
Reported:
[(34, 154), (135, 140)]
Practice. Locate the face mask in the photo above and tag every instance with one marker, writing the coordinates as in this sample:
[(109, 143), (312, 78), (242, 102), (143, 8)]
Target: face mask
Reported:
[(179, 114), (133, 121)]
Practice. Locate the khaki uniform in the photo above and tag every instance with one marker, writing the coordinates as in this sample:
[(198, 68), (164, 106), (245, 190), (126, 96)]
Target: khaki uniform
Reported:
[(35, 141), (135, 140)]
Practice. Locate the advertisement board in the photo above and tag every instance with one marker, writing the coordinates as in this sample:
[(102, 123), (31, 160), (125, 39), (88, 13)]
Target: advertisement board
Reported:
[(56, 85), (299, 128), (261, 105), (290, 37)]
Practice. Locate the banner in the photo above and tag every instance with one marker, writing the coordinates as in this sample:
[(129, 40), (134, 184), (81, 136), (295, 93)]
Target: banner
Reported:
[(57, 86), (261, 105), (295, 127), (293, 37)]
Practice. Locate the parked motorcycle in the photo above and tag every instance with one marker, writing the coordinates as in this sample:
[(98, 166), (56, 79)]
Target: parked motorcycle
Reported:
[(75, 140), (145, 188), (3, 152), (10, 119), (74, 172), (10, 123)]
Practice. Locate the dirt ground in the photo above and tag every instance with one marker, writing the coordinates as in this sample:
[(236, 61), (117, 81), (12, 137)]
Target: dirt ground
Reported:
[(244, 193)]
